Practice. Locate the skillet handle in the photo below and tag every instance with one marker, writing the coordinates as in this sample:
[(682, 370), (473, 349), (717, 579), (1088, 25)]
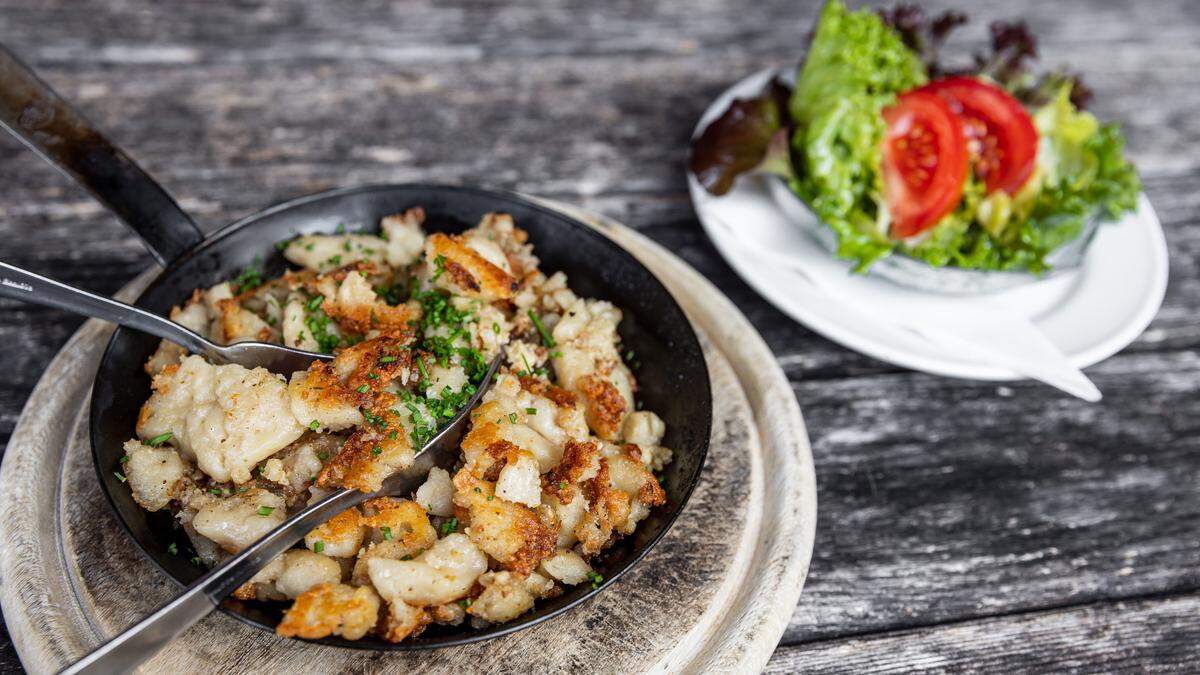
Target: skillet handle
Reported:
[(48, 125)]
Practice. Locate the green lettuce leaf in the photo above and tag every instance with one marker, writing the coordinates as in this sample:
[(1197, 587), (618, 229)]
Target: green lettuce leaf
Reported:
[(855, 68)]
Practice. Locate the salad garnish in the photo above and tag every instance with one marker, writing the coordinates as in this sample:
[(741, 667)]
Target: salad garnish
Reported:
[(990, 166)]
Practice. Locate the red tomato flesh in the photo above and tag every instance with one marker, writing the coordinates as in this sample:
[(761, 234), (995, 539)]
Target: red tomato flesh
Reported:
[(924, 162), (1001, 139)]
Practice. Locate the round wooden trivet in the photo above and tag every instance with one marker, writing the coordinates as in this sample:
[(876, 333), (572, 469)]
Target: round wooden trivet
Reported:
[(715, 593)]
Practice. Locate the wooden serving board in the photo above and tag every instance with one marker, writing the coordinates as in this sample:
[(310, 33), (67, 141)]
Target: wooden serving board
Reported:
[(714, 594)]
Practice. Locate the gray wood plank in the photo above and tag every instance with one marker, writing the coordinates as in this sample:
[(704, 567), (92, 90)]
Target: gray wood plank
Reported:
[(941, 501), (945, 499), (1155, 635)]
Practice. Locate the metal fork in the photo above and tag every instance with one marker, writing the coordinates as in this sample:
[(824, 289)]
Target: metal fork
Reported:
[(26, 286), (142, 640)]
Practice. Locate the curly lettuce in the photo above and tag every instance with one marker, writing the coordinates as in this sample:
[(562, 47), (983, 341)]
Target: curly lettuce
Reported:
[(855, 68)]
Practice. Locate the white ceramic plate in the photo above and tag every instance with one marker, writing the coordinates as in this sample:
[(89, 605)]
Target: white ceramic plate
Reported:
[(1089, 314)]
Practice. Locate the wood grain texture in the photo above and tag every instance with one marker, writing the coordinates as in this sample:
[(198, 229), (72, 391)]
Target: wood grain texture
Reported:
[(1153, 635), (942, 501)]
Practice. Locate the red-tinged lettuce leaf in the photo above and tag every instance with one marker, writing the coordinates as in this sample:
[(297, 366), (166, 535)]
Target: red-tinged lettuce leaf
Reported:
[(924, 35), (750, 137)]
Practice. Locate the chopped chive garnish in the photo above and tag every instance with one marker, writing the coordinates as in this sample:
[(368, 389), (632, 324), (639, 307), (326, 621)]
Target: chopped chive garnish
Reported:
[(377, 449), (387, 359), (318, 547), (387, 532), (531, 411), (314, 425), (363, 389), (159, 439), (322, 456), (512, 418), (372, 376), (265, 510), (120, 476), (314, 303), (173, 548), (450, 526), (595, 578), (123, 459), (195, 560), (546, 339)]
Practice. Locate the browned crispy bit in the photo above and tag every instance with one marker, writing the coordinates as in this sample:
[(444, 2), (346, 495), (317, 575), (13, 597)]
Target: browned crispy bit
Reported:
[(461, 277), (373, 452), (606, 407), (577, 458), (539, 387), (539, 544), (466, 269), (245, 591), (331, 609), (651, 493), (401, 622)]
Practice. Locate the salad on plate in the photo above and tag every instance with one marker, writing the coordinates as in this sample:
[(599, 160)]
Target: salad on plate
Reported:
[(988, 168)]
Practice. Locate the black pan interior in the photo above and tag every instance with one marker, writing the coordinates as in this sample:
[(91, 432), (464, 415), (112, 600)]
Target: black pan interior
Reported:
[(672, 377)]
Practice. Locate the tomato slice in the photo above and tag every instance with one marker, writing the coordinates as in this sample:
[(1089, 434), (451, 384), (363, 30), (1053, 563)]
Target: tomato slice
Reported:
[(924, 162), (1001, 138)]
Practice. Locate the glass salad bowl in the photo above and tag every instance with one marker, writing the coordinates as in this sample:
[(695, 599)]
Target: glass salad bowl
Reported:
[(918, 274)]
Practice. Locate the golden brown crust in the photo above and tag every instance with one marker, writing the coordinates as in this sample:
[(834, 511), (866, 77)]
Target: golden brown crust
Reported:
[(510, 532), (651, 493), (461, 277), (596, 529), (371, 454), (539, 387), (343, 525), (245, 591), (577, 458), (473, 274), (406, 521), (361, 318), (395, 630), (498, 455), (330, 609), (539, 543), (606, 406)]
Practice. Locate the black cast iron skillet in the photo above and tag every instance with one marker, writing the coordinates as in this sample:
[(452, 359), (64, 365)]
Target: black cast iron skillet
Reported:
[(672, 377)]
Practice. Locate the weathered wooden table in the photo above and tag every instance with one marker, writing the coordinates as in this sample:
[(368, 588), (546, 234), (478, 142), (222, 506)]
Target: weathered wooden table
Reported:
[(962, 524)]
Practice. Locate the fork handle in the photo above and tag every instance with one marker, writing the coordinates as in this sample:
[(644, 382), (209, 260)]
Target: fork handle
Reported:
[(26, 286)]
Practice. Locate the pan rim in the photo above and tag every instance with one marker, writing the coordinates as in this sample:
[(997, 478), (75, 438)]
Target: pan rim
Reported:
[(472, 635)]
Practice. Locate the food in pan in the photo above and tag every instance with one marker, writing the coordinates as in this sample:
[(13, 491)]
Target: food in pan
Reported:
[(557, 464), (987, 167)]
